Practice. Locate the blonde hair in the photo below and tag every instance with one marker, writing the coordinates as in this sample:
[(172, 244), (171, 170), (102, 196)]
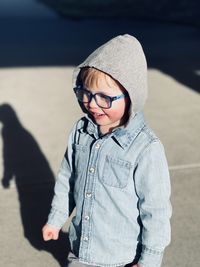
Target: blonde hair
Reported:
[(90, 76)]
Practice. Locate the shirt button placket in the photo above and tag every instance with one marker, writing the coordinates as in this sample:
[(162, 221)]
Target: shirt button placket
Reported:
[(88, 200)]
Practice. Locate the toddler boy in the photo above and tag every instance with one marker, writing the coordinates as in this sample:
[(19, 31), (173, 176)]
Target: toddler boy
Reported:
[(114, 171)]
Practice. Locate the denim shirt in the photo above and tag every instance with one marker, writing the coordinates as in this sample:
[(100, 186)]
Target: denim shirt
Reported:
[(119, 184)]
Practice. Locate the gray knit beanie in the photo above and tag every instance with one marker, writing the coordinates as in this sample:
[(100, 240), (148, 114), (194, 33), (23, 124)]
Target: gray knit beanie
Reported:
[(123, 59)]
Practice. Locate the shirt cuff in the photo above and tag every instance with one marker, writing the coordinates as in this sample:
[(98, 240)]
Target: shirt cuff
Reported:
[(56, 219), (150, 257)]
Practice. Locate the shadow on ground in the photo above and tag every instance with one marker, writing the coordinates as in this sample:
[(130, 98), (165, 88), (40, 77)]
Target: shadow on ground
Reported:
[(183, 12), (28, 41), (25, 162)]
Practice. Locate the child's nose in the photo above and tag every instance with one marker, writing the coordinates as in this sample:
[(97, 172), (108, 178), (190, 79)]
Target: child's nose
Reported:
[(93, 103)]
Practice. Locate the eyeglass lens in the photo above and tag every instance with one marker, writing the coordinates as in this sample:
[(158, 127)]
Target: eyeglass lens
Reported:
[(101, 99)]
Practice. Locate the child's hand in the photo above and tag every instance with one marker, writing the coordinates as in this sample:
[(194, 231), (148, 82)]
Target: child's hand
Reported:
[(49, 232)]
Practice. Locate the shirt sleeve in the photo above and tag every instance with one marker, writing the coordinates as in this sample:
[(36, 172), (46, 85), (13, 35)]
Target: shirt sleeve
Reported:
[(153, 188), (63, 203)]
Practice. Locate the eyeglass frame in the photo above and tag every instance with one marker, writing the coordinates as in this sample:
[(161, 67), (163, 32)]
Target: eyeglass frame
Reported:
[(91, 96)]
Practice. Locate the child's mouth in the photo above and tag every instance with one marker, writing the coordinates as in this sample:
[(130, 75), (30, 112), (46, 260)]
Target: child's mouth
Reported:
[(97, 115)]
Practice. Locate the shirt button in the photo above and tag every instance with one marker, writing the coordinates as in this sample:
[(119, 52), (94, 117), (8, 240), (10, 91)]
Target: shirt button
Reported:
[(97, 146), (92, 170), (85, 238), (88, 194), (87, 217)]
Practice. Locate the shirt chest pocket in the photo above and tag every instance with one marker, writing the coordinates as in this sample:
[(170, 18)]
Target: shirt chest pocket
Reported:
[(116, 172), (80, 157)]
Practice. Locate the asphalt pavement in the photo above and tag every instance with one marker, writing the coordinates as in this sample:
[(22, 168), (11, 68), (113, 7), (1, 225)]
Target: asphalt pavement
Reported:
[(38, 51)]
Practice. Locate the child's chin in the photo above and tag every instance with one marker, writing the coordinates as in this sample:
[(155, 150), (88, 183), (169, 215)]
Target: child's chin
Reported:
[(99, 119)]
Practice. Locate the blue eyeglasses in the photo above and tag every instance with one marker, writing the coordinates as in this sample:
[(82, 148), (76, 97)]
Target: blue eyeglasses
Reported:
[(103, 101)]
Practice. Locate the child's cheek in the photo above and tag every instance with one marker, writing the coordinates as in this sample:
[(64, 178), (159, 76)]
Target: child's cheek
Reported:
[(115, 114)]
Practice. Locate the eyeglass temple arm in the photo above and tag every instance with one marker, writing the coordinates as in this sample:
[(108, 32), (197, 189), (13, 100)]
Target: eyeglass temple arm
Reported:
[(119, 96)]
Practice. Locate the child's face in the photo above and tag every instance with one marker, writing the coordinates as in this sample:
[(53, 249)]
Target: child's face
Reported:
[(117, 114)]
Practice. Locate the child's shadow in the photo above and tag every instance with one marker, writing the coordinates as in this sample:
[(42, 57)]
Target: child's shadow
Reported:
[(24, 161)]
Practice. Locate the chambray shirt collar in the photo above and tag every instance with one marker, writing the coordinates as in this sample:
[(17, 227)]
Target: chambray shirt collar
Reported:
[(90, 127), (124, 136)]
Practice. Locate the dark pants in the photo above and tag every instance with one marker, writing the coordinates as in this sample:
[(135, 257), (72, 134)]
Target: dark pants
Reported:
[(73, 262)]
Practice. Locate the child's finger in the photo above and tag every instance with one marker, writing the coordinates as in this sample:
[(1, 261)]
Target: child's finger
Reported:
[(55, 236), (48, 236)]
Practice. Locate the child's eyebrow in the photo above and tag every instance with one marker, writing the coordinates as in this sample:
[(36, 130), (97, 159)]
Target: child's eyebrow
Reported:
[(99, 92)]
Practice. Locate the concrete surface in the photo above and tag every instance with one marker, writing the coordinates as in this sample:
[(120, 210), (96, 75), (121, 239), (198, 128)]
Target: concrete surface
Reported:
[(37, 57)]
